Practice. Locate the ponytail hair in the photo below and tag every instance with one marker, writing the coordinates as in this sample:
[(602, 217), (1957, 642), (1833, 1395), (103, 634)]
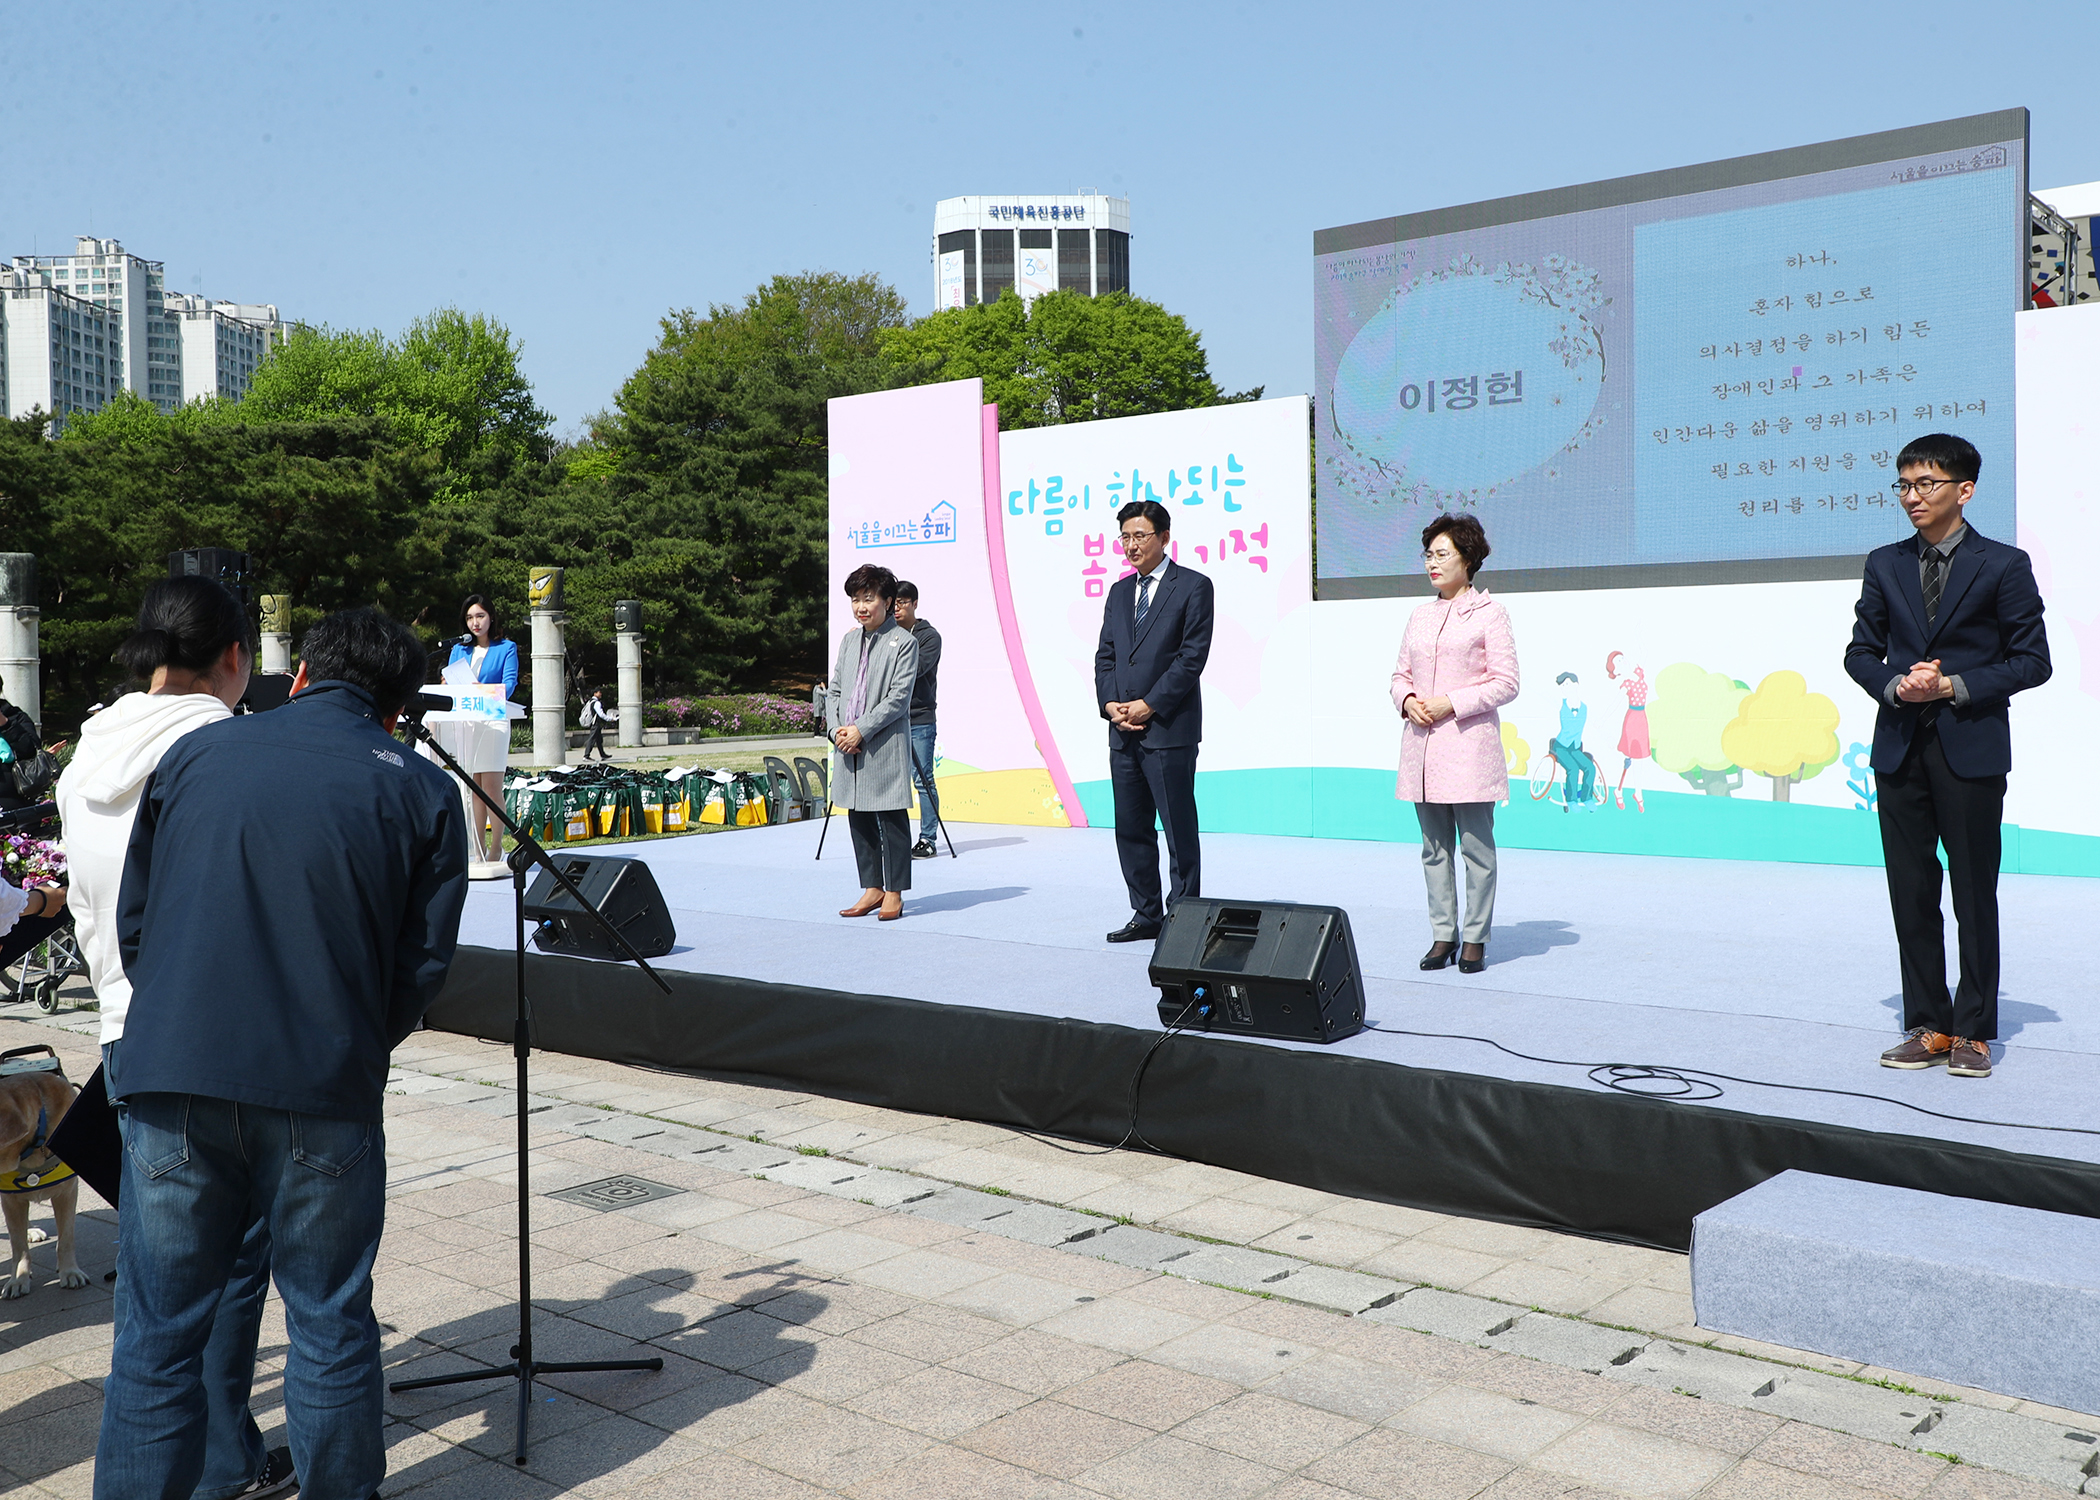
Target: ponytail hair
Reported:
[(186, 623)]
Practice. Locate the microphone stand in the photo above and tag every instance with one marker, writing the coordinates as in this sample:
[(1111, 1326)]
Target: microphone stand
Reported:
[(526, 852)]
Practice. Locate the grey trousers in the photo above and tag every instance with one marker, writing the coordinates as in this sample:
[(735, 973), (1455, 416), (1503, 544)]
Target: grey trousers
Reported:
[(1471, 826)]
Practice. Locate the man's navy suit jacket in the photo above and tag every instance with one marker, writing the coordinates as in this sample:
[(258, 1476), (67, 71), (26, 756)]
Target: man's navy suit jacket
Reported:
[(1160, 661), (1988, 633)]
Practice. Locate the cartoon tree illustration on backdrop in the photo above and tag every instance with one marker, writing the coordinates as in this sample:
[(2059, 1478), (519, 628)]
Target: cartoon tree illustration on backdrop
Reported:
[(1783, 731), (1687, 713)]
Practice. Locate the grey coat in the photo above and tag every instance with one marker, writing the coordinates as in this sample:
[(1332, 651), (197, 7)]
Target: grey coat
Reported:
[(878, 779)]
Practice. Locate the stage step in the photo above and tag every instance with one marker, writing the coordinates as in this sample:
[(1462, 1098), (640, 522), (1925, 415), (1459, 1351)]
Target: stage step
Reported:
[(1982, 1294)]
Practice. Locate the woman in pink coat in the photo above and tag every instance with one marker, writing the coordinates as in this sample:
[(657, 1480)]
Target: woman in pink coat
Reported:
[(1458, 664)]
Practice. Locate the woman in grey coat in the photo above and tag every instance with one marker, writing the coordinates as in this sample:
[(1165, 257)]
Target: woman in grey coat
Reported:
[(869, 707)]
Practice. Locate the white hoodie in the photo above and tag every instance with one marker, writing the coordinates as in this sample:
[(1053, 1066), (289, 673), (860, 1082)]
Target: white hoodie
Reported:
[(98, 796)]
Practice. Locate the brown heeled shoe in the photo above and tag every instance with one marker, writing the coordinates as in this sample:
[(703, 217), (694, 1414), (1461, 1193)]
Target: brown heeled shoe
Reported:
[(863, 906), (892, 906)]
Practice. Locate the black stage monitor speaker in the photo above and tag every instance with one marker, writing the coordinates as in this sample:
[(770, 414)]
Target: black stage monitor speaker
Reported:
[(621, 888), (1259, 968)]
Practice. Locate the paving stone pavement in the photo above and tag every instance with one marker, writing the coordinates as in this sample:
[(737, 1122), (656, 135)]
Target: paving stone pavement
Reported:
[(853, 1301)]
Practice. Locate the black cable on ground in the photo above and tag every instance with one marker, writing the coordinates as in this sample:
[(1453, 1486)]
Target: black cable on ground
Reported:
[(1130, 1131), (1686, 1083)]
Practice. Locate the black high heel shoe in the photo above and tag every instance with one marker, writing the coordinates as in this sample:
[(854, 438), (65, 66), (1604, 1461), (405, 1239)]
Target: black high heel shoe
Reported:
[(1439, 954), (1472, 958)]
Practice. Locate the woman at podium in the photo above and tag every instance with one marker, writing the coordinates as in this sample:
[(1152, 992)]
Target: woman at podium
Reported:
[(482, 745)]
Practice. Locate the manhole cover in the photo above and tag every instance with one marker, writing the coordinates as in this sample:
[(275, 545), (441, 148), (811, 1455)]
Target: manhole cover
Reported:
[(609, 1193)]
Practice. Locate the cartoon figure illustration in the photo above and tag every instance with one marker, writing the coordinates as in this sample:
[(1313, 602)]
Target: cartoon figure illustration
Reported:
[(1565, 751), (1633, 729)]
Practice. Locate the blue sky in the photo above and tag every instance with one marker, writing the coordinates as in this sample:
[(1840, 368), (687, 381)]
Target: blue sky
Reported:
[(577, 170)]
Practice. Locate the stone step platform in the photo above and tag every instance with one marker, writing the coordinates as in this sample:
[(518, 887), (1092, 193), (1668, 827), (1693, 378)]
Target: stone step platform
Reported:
[(1982, 1294)]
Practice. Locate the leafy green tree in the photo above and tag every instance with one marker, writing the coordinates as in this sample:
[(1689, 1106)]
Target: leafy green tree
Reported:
[(451, 387), (704, 490), (330, 512), (1066, 357)]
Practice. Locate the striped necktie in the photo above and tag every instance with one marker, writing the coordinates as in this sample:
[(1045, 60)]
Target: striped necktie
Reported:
[(1935, 582), (1144, 603)]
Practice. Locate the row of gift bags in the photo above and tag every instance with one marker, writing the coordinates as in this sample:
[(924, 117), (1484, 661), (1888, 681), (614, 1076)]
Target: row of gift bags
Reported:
[(561, 808)]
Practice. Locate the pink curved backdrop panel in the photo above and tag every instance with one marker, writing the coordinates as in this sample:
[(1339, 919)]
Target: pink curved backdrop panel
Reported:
[(907, 491), (1010, 625)]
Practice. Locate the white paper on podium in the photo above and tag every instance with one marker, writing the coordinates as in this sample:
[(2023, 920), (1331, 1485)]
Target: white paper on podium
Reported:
[(482, 700)]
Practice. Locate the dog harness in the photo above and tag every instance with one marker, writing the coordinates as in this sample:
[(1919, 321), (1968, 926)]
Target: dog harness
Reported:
[(24, 1180)]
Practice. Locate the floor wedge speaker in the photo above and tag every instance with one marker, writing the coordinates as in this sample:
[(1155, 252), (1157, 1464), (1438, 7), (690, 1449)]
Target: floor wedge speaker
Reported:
[(1259, 968), (621, 888)]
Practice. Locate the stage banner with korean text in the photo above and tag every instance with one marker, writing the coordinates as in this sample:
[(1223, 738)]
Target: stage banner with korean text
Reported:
[(1235, 480), (908, 491)]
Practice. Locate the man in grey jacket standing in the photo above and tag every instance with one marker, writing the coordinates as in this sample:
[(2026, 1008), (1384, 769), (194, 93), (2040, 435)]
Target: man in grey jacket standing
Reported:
[(923, 693)]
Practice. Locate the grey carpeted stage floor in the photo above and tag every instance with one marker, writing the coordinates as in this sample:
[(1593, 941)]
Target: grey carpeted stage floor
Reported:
[(1784, 973)]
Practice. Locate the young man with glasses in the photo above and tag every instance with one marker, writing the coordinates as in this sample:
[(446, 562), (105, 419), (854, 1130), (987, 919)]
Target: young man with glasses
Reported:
[(1949, 628), (1155, 638)]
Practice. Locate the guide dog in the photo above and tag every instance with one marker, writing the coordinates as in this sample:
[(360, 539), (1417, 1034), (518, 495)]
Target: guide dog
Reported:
[(31, 1105)]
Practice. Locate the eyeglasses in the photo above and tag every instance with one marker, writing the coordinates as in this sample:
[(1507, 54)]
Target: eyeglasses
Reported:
[(1132, 538), (1442, 555), (1924, 487)]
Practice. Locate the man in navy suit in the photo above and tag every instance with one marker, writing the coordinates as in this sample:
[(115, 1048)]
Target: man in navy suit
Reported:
[(1155, 638), (1949, 628)]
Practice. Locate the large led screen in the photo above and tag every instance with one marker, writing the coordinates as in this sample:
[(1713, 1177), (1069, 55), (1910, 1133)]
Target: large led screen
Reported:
[(1694, 376)]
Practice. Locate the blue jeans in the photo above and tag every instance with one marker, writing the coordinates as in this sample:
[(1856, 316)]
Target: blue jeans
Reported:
[(233, 1444), (197, 1172), (922, 773)]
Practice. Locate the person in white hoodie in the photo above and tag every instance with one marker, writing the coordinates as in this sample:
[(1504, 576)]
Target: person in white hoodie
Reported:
[(194, 650)]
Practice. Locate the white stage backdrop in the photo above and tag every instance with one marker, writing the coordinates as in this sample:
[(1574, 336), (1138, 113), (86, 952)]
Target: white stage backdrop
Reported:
[(1712, 720)]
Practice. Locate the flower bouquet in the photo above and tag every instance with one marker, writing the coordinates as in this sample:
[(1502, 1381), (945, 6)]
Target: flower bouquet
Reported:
[(26, 861)]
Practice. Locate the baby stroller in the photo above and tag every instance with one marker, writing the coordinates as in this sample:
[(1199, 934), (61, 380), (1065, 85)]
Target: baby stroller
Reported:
[(37, 975)]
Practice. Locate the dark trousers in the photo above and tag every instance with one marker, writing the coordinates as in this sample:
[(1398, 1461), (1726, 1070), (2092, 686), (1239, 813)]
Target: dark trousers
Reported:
[(882, 848), (597, 743), (1159, 784), (1923, 805), (26, 934)]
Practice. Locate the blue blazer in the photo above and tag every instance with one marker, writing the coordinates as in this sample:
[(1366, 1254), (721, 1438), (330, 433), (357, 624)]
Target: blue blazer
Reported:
[(1988, 632), (499, 665), (1160, 661)]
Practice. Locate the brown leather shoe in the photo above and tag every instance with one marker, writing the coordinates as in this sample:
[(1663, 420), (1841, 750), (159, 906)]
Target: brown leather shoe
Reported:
[(864, 905), (892, 906), (1923, 1048), (1969, 1059)]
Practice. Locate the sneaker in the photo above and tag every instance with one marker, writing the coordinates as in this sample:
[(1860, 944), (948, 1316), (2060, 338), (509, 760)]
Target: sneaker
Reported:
[(1923, 1048), (276, 1477), (1967, 1059), (923, 849)]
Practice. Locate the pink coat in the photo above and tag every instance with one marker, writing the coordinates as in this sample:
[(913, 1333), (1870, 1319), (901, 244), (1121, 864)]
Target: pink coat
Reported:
[(1459, 649)]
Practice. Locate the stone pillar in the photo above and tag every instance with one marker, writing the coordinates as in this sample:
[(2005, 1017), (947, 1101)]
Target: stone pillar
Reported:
[(627, 629), (21, 663), (276, 652), (550, 676)]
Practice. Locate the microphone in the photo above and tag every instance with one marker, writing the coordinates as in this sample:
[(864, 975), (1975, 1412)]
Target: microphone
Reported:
[(422, 704)]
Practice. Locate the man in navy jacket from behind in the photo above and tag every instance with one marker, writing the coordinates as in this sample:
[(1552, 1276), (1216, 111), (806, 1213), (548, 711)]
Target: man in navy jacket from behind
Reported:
[(289, 907), (1148, 681), (1949, 628)]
